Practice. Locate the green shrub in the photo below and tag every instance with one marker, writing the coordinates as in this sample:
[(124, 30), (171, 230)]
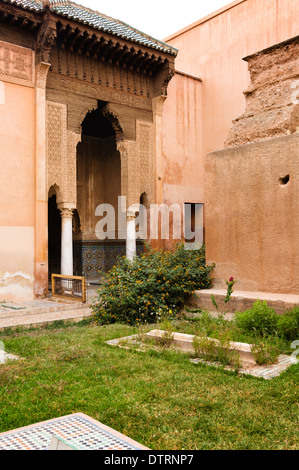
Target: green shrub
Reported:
[(152, 285), (264, 351), (260, 319), (288, 325)]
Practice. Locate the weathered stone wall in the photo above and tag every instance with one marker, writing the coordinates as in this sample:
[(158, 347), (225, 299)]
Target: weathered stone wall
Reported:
[(251, 189), (272, 104)]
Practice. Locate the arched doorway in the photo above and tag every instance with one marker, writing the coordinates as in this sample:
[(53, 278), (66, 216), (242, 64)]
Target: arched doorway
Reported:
[(54, 235), (77, 244), (98, 182)]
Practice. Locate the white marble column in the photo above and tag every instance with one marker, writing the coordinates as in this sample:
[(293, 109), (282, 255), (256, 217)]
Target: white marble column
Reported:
[(67, 242), (131, 237)]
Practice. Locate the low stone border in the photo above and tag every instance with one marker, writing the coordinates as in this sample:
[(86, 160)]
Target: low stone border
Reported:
[(267, 372)]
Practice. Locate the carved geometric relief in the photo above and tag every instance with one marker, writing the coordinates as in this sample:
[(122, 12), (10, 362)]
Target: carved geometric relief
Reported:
[(129, 171), (16, 64), (98, 92), (138, 165), (56, 145), (145, 141), (61, 146), (71, 166)]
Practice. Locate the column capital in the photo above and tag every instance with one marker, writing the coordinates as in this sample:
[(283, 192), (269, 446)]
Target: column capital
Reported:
[(132, 211), (67, 213)]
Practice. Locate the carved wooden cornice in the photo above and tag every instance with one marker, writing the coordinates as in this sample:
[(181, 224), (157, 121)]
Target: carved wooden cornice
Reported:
[(46, 37), (12, 15), (102, 46), (52, 31)]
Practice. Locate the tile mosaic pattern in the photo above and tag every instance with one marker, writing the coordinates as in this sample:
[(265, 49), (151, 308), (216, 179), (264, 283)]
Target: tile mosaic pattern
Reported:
[(75, 430), (102, 257)]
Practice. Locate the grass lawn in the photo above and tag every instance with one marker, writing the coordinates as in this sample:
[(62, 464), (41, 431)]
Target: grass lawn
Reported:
[(159, 399)]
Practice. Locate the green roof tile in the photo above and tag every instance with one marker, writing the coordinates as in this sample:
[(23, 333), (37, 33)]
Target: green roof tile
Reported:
[(98, 21)]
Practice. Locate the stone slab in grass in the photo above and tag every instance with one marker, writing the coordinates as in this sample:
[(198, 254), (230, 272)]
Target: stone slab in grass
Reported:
[(13, 306), (183, 343), (4, 357)]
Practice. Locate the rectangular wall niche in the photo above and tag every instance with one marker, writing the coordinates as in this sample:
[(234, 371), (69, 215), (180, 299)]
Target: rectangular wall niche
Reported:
[(193, 225)]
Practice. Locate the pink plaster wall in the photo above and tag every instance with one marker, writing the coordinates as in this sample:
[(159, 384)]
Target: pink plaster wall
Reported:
[(17, 140), (251, 218), (182, 141), (17, 183), (213, 49)]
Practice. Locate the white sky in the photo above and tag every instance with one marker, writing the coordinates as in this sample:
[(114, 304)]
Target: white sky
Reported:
[(157, 18)]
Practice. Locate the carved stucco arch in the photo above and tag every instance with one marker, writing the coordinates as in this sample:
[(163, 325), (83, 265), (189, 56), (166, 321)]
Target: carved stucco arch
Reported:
[(114, 121), (85, 108), (55, 190), (137, 155)]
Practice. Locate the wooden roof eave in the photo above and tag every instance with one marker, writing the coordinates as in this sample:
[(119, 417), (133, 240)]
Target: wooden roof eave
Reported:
[(92, 42), (19, 17)]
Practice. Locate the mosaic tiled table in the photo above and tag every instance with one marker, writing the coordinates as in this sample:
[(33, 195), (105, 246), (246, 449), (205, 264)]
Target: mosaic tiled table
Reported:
[(79, 431)]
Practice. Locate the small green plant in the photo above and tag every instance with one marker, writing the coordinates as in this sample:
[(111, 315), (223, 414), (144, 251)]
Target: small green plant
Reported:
[(141, 333), (288, 325), (230, 284), (225, 354), (124, 342), (260, 319), (217, 350), (204, 347), (264, 351), (168, 333)]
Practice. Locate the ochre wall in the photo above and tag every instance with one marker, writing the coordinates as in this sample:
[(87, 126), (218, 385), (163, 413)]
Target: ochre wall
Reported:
[(183, 173), (182, 141), (213, 49), (251, 189), (251, 218), (197, 117), (17, 182)]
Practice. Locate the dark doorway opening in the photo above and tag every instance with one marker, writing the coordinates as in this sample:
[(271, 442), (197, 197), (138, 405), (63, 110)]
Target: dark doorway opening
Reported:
[(54, 237)]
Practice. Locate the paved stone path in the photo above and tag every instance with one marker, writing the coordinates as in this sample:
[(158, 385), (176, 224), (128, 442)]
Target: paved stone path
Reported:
[(40, 312)]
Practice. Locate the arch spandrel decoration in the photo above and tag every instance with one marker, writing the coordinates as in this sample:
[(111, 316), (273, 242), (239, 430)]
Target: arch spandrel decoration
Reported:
[(137, 156)]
